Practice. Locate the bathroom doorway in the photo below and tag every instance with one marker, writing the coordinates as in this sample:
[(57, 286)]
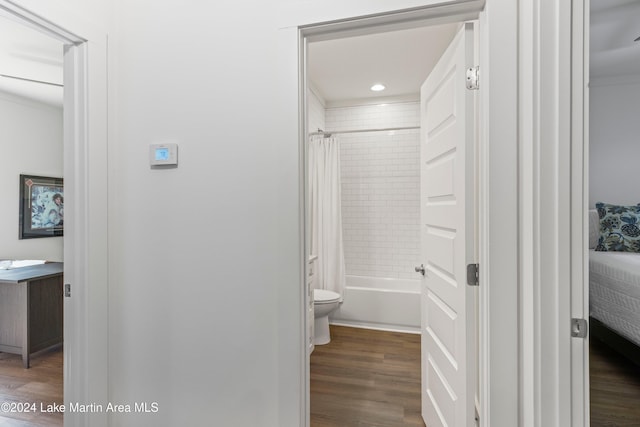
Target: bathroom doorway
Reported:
[(378, 134)]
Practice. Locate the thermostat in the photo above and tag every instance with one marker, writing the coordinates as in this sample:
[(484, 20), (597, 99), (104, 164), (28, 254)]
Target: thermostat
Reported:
[(163, 155)]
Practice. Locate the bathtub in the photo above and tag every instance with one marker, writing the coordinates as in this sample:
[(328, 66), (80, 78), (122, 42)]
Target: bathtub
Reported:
[(380, 303)]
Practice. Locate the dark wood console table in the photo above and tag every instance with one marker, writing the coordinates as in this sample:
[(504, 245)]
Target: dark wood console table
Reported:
[(31, 309)]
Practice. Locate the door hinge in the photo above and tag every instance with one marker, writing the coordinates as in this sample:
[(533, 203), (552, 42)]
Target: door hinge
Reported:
[(579, 328), (67, 290), (473, 78), (473, 274)]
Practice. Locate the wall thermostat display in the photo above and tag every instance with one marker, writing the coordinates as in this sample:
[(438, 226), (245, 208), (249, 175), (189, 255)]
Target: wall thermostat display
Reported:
[(163, 155)]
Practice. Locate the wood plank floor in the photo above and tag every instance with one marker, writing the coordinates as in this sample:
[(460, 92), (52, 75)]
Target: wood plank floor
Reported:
[(362, 378), (42, 383), (615, 388), (372, 378), (366, 378)]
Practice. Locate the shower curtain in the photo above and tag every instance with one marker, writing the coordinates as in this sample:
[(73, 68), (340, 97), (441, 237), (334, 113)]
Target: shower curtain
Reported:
[(325, 213)]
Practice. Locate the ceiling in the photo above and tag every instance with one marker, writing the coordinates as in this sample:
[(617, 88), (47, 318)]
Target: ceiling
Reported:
[(341, 70), (344, 70), (29, 54), (615, 24)]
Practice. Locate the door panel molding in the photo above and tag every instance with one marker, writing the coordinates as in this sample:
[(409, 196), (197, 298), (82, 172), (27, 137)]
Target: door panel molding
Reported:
[(449, 352)]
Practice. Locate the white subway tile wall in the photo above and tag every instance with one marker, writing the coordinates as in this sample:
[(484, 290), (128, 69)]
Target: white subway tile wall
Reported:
[(380, 189)]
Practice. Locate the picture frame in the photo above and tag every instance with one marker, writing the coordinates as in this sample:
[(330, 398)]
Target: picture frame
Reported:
[(41, 207)]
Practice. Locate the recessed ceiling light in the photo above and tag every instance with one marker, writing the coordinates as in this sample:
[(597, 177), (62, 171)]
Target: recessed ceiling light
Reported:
[(378, 87)]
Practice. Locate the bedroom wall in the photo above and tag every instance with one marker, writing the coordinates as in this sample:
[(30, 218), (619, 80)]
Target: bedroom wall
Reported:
[(614, 141), (32, 144)]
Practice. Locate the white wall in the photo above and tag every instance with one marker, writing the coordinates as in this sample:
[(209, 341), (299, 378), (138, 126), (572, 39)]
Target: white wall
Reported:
[(194, 297), (380, 188), (32, 145), (614, 142)]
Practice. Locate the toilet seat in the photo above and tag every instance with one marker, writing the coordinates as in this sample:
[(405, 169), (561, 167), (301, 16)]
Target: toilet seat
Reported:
[(323, 296)]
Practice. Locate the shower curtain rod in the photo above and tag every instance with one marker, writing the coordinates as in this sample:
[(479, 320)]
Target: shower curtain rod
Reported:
[(329, 133)]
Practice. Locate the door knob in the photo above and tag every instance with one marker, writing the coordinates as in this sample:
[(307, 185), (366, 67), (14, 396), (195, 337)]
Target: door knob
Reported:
[(420, 269)]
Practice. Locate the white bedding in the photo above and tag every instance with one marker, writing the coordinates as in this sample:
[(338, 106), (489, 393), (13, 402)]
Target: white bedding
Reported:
[(614, 291)]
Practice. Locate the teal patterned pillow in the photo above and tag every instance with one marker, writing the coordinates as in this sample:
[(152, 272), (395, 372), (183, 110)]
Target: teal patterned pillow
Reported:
[(619, 228)]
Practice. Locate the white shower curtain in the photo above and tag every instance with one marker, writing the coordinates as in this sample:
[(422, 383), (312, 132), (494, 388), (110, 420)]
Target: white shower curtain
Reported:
[(326, 214)]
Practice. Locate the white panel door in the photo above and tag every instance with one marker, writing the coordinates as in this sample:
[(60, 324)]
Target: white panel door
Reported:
[(447, 219)]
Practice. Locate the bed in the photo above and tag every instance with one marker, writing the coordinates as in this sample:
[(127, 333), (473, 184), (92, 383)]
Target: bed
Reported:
[(614, 295)]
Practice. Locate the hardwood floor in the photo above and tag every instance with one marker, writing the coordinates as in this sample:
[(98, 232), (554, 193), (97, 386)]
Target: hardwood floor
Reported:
[(366, 378), (362, 378), (40, 384), (615, 388), (372, 378)]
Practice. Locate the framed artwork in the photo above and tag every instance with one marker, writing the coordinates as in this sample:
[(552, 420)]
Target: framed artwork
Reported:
[(41, 207)]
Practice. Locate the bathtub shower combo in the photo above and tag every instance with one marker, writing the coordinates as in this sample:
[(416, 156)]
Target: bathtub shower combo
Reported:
[(364, 228)]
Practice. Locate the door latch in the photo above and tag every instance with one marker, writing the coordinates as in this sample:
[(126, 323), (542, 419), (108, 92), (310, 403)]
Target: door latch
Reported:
[(473, 274), (67, 290), (579, 328)]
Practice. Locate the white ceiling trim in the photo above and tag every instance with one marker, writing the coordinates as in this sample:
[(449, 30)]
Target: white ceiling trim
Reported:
[(32, 54), (415, 97)]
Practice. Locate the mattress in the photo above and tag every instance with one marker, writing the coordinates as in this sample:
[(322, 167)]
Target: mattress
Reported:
[(614, 291)]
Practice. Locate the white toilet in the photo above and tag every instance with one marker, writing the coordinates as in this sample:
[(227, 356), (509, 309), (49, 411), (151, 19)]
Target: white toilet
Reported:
[(324, 302)]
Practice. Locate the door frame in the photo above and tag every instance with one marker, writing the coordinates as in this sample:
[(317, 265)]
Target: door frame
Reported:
[(530, 54), (553, 195), (579, 304), (358, 26), (85, 172)]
